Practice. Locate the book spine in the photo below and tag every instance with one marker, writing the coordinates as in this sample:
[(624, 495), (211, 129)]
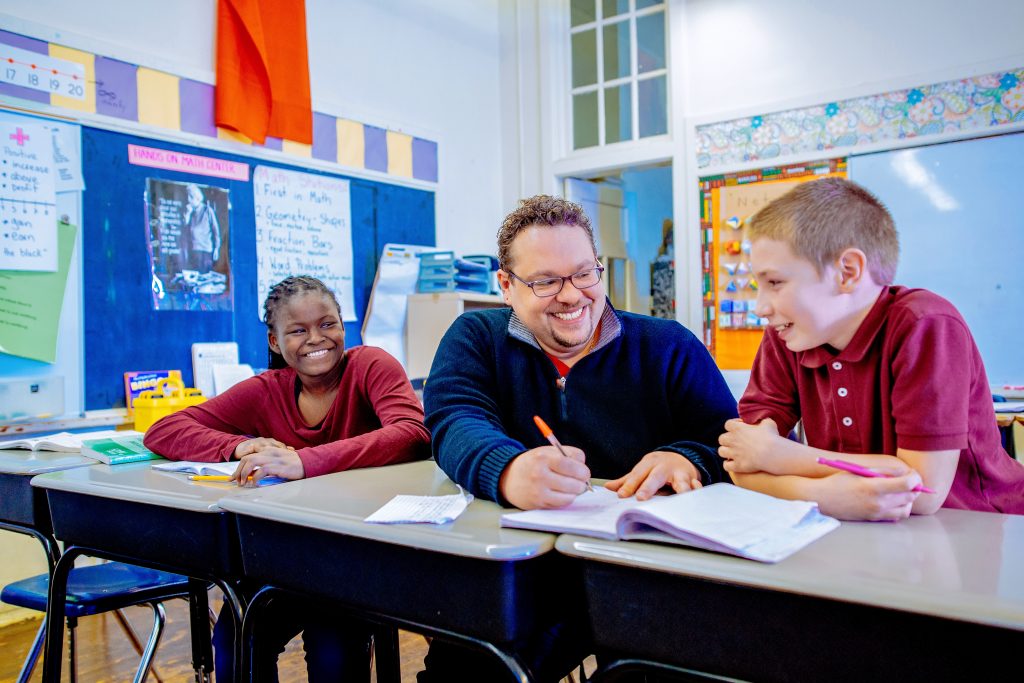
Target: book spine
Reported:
[(131, 457)]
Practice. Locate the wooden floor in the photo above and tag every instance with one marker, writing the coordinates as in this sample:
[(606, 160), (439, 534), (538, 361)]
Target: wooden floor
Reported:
[(105, 655)]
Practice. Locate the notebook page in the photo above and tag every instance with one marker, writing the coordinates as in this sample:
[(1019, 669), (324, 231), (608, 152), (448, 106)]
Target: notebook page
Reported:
[(194, 467), (593, 513)]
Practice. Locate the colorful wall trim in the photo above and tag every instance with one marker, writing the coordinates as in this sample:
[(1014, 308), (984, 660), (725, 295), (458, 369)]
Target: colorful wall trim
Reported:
[(156, 98), (970, 104)]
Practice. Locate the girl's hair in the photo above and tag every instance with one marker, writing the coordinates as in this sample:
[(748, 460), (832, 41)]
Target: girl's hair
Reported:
[(283, 292)]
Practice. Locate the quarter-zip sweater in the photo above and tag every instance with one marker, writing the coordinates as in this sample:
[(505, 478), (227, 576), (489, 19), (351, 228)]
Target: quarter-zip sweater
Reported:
[(648, 385)]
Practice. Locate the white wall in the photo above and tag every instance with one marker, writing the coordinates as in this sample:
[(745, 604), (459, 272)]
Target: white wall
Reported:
[(427, 68), (751, 54)]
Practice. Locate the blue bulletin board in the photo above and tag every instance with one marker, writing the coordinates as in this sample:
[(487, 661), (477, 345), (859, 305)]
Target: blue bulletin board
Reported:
[(957, 208), (122, 331)]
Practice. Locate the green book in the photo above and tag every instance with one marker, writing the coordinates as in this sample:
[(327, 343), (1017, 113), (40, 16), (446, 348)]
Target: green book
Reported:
[(118, 450)]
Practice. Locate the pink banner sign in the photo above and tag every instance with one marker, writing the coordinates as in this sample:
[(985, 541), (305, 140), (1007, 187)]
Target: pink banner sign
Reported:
[(187, 163)]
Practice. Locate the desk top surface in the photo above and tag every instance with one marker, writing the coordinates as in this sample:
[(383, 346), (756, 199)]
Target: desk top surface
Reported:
[(339, 503), (138, 482), (956, 564), (25, 462)]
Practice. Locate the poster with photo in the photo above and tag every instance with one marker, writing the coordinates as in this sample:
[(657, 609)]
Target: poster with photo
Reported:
[(188, 246)]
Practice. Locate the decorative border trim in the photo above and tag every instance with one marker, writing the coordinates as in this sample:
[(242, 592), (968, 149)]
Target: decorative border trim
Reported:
[(969, 104), (156, 98)]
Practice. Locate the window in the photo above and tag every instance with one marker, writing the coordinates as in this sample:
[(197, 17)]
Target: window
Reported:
[(619, 74)]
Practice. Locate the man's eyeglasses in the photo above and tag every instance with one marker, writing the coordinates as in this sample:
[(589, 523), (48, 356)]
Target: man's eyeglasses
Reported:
[(550, 286)]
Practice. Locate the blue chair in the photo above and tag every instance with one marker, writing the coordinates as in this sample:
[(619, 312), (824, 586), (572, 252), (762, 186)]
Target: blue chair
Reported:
[(101, 588)]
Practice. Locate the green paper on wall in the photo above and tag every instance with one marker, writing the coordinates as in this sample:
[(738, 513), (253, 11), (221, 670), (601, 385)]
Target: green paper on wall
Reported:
[(30, 304)]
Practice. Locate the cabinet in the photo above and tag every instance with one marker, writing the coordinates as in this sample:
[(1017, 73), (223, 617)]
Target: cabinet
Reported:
[(429, 316)]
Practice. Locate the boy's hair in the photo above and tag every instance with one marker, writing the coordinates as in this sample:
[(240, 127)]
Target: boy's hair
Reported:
[(280, 294), (821, 218), (543, 210)]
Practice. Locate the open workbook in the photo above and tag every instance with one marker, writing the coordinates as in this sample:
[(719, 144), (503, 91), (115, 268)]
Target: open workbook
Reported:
[(63, 442), (720, 517)]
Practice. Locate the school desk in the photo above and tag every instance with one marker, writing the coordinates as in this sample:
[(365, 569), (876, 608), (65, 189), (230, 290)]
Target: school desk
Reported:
[(930, 598), (22, 508), (142, 516), (469, 581)]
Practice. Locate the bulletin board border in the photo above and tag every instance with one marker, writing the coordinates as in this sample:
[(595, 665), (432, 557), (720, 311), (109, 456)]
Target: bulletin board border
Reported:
[(709, 227)]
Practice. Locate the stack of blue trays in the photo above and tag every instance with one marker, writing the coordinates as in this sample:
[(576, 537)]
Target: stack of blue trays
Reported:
[(442, 272), (437, 272)]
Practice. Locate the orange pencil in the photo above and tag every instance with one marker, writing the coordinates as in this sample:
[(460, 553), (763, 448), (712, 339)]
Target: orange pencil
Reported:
[(546, 432)]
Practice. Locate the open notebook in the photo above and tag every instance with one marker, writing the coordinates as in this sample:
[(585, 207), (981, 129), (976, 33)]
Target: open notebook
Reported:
[(720, 517)]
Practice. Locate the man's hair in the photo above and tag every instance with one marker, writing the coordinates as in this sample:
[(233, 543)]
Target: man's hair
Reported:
[(283, 292), (541, 210), (822, 218)]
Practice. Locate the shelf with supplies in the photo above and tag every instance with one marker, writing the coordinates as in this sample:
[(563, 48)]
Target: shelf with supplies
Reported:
[(429, 316)]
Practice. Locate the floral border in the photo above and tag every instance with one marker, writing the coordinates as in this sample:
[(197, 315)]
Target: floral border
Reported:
[(975, 103)]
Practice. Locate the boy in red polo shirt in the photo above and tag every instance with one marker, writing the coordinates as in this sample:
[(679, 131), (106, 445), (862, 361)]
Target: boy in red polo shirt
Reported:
[(882, 376)]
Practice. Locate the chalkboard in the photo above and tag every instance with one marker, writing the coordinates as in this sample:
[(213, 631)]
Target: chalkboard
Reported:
[(957, 210), (122, 329)]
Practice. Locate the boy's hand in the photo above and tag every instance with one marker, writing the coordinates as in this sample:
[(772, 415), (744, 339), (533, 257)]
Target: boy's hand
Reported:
[(655, 470), (272, 462), (851, 497), (544, 478), (749, 448)]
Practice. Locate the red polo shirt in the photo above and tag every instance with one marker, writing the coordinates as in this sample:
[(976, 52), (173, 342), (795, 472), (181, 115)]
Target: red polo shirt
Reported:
[(911, 378)]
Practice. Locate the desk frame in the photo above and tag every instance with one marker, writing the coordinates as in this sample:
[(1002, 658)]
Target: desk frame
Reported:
[(138, 542)]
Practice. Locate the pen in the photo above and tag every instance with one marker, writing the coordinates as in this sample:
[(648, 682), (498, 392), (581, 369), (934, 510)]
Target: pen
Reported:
[(546, 432), (859, 470)]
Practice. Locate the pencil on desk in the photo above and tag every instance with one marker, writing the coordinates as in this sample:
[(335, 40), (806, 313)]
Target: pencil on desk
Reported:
[(211, 477)]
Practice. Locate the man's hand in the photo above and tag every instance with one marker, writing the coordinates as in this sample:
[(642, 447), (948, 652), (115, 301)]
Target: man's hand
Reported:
[(749, 448), (655, 470), (852, 497), (272, 462), (544, 478), (256, 445)]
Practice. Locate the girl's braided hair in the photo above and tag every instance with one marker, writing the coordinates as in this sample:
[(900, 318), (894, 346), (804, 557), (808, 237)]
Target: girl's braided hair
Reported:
[(280, 294)]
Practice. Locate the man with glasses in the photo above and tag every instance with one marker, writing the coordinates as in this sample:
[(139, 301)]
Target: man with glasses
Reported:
[(632, 398)]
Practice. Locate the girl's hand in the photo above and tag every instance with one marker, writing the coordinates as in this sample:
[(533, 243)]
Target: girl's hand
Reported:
[(256, 445), (271, 462)]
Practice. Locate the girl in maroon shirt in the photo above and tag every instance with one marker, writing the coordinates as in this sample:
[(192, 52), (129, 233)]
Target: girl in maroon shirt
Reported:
[(319, 408)]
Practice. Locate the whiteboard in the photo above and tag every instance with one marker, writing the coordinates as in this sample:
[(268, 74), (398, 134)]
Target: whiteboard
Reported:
[(957, 208), (68, 363)]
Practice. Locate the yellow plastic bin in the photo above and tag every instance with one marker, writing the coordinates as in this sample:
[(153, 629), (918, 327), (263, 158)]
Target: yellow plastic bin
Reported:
[(154, 404)]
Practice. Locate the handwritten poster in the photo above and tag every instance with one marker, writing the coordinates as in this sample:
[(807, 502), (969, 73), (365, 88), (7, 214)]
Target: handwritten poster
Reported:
[(303, 227), (188, 246), (28, 198), (30, 305)]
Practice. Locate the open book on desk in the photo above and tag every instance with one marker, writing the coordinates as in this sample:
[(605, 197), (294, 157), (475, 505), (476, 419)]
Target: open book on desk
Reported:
[(63, 442), (200, 468), (720, 517), (206, 469)]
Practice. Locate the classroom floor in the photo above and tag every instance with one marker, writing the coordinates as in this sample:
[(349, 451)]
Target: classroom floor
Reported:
[(106, 656)]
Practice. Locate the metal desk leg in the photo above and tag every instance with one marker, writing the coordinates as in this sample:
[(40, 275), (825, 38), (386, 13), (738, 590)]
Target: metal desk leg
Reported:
[(385, 654), (199, 624), (53, 653)]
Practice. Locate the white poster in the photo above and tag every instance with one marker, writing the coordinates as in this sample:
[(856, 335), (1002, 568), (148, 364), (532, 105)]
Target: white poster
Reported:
[(303, 227), (28, 198), (397, 272)]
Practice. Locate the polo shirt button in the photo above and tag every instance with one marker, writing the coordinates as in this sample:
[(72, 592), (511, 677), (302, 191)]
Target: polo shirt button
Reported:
[(847, 421), (837, 366), (842, 391)]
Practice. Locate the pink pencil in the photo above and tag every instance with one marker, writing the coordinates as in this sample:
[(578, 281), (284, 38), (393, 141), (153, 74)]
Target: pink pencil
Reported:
[(862, 471)]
